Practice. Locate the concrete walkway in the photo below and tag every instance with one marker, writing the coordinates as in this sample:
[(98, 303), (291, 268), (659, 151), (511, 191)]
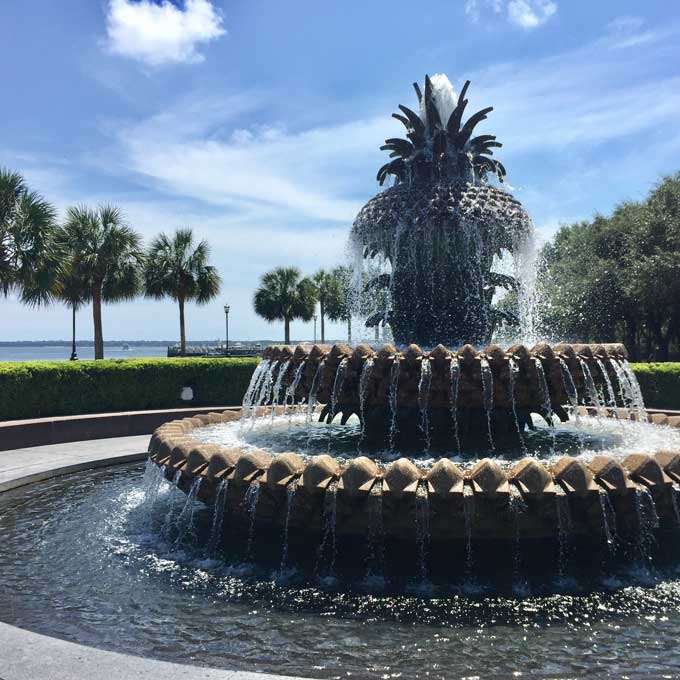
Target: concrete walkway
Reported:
[(35, 464), (29, 656)]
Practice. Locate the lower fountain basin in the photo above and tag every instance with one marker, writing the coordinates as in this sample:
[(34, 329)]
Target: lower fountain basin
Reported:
[(83, 558)]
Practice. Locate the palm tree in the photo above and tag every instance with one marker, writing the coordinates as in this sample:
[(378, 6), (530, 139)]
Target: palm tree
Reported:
[(71, 288), (284, 295), (107, 255), (178, 269), (323, 283), (29, 257)]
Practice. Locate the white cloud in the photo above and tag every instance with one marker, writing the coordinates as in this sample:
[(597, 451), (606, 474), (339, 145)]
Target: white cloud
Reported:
[(526, 14), (158, 33), (530, 13), (310, 174)]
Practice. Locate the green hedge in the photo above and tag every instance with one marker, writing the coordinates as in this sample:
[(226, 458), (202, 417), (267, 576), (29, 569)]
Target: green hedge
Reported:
[(660, 383), (55, 388)]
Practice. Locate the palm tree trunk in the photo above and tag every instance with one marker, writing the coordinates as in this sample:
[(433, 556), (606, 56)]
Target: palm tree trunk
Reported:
[(97, 317), (182, 329), (73, 340), (322, 310), (286, 325)]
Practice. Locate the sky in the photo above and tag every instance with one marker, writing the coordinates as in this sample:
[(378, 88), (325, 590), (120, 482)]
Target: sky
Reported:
[(258, 124)]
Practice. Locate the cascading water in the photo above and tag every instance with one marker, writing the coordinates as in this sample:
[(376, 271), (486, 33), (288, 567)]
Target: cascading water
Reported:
[(512, 375), (168, 522), (544, 391), (635, 392), (276, 391), (393, 394), (250, 499), (424, 399), (337, 386), (185, 521), (364, 379), (454, 371), (610, 397), (609, 533), (648, 520), (218, 516), (153, 480), (289, 398), (570, 388), (422, 514), (311, 400), (264, 391), (290, 497), (253, 388), (375, 538), (518, 509), (564, 525), (591, 390), (328, 539), (487, 395), (468, 517)]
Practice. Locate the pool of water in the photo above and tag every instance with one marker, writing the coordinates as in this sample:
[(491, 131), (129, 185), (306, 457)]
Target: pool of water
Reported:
[(584, 438), (83, 558)]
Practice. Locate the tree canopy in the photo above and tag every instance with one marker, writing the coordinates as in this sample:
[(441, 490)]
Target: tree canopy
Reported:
[(618, 277)]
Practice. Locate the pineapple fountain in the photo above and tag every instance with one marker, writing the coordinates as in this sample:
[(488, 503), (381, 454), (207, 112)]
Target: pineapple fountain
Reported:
[(482, 475)]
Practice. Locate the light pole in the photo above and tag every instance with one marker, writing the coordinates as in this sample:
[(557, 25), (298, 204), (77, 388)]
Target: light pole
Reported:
[(226, 320), (315, 318)]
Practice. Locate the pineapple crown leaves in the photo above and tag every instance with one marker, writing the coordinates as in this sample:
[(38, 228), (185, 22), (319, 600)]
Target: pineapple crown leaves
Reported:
[(434, 150)]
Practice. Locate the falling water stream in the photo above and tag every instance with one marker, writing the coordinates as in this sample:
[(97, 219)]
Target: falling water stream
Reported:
[(512, 376), (290, 498), (250, 499), (364, 380), (185, 521), (276, 391), (328, 540), (218, 516), (393, 395), (313, 390), (422, 515), (455, 385), (487, 395), (424, 400)]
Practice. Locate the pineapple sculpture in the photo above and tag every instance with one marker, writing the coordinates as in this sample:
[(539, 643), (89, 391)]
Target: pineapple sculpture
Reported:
[(440, 224)]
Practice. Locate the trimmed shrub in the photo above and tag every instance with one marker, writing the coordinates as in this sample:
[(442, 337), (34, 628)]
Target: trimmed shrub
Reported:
[(57, 388), (660, 384)]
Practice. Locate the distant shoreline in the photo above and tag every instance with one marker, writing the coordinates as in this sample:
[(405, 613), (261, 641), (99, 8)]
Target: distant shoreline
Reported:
[(120, 343)]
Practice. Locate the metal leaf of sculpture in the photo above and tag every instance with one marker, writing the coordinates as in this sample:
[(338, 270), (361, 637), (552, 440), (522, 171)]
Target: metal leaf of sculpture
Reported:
[(441, 224)]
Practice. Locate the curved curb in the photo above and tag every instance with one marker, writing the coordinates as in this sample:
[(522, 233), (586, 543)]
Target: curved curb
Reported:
[(19, 434)]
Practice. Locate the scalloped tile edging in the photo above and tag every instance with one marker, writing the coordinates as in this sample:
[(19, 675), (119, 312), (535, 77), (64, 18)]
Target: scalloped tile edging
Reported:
[(173, 447)]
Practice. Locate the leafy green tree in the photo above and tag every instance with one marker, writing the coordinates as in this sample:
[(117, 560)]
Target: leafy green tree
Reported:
[(29, 256), (338, 300), (177, 268), (618, 277), (284, 295), (108, 257)]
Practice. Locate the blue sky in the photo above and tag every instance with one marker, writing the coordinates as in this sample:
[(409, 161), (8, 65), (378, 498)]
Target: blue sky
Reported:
[(258, 123)]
